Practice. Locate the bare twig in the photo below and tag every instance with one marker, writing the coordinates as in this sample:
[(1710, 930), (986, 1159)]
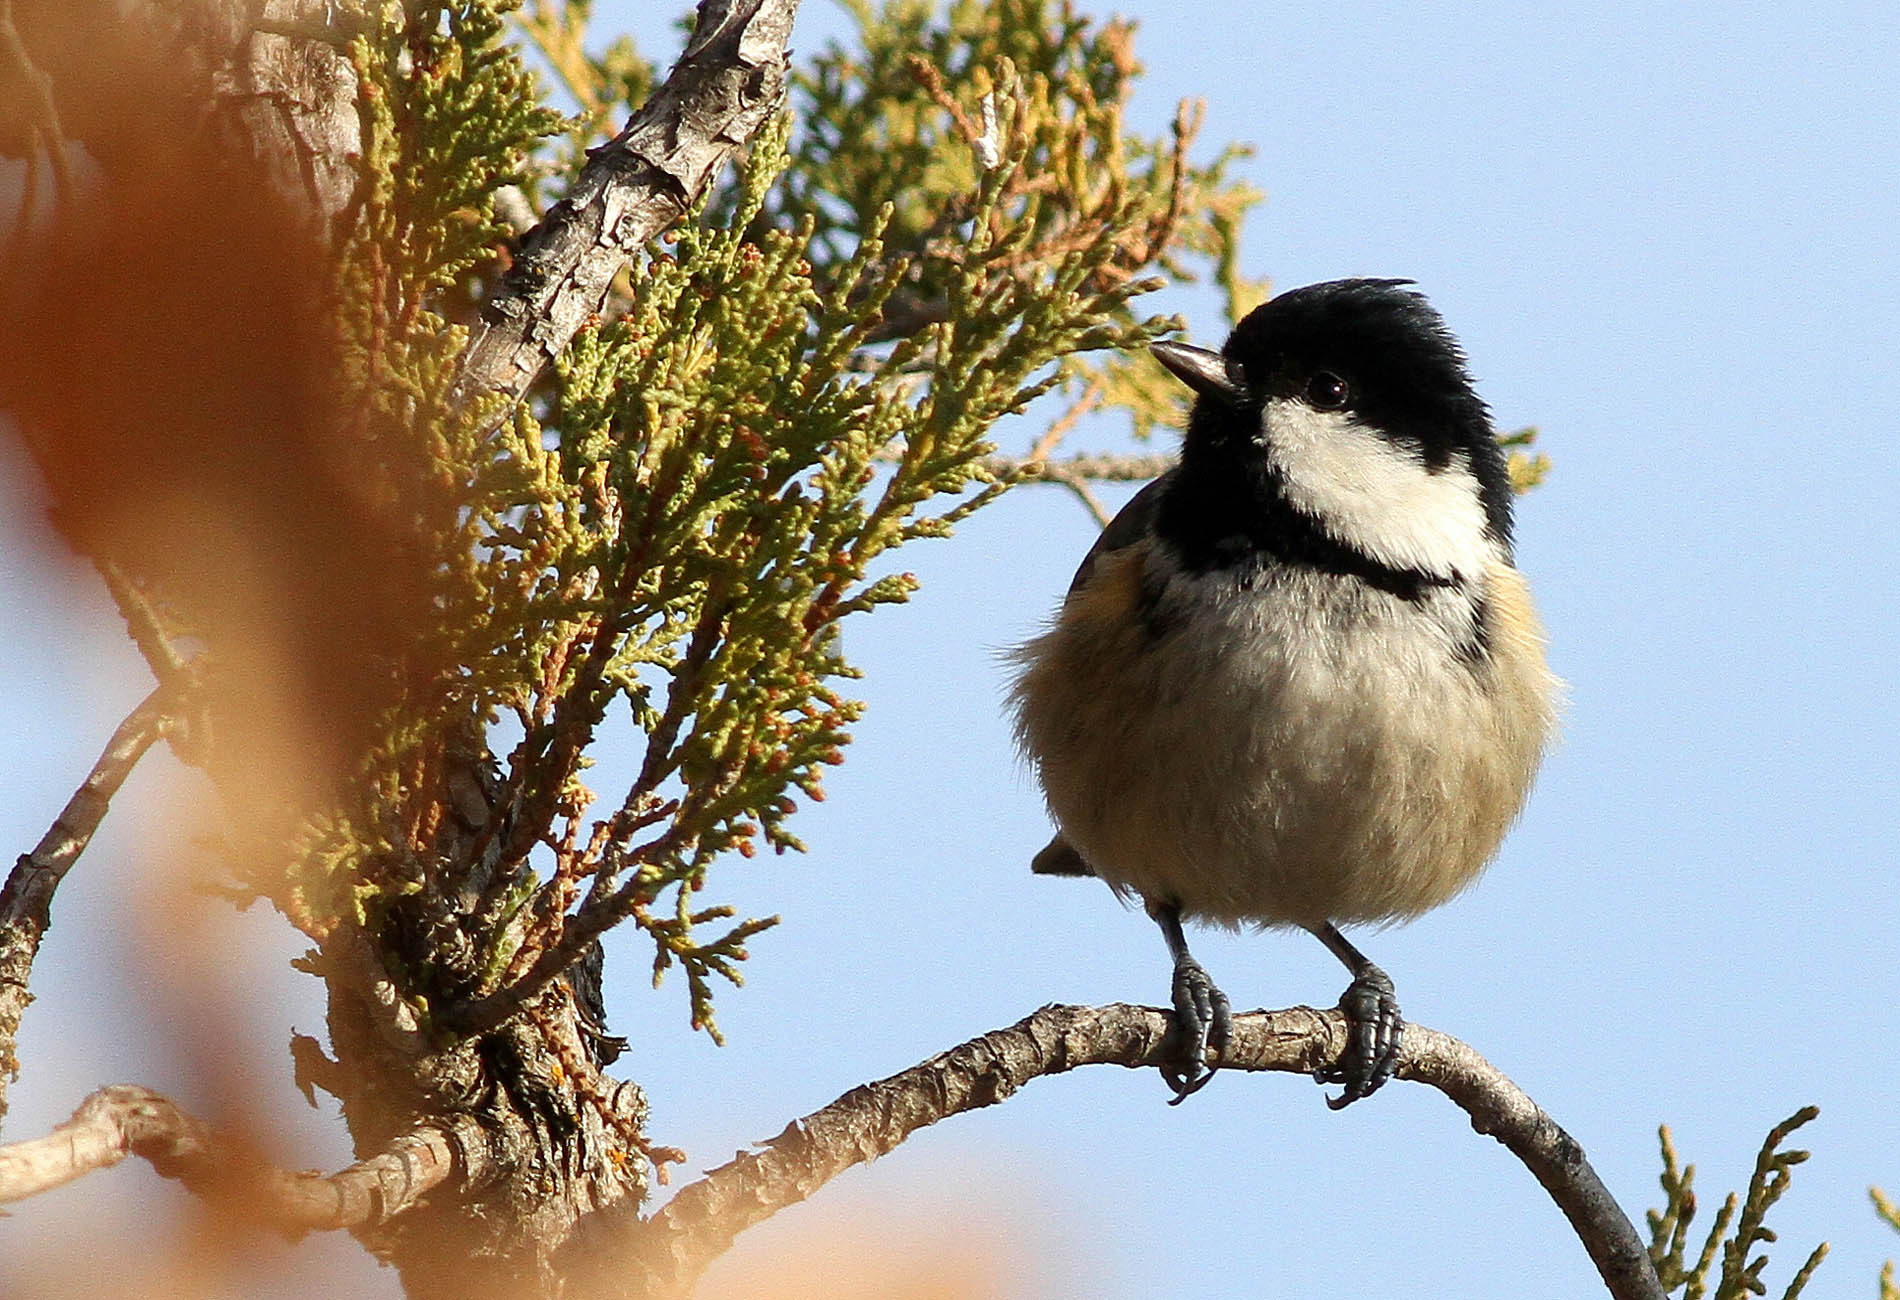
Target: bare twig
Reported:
[(728, 82), (1083, 468), (1060, 427), (1084, 493), (1079, 474), (127, 1120), (26, 901), (141, 621), (664, 1254)]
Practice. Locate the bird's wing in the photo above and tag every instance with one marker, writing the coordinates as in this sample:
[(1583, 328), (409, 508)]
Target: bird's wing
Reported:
[(1135, 522)]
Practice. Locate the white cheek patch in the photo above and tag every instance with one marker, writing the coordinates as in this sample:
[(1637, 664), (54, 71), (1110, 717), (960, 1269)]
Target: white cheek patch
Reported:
[(1374, 497)]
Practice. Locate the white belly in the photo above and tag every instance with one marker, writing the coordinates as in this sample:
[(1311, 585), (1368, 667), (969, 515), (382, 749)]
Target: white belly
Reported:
[(1312, 750)]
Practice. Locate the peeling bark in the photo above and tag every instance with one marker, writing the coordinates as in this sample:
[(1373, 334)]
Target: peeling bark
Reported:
[(728, 82)]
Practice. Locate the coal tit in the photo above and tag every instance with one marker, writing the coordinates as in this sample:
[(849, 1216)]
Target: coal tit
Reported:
[(1298, 681)]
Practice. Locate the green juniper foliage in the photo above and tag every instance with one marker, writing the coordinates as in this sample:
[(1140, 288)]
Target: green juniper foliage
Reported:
[(1890, 1215), (1739, 1275), (661, 544), (869, 140), (1528, 468), (449, 115)]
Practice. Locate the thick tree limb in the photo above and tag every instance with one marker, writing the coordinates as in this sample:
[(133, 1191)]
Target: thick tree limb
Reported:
[(26, 901), (665, 1253), (728, 82), (129, 1120)]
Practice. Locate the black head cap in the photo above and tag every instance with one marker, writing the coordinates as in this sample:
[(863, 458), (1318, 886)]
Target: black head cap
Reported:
[(1379, 350)]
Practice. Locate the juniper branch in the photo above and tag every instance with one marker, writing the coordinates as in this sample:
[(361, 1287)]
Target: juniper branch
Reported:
[(728, 82), (26, 901), (665, 1253), (141, 621), (125, 1119)]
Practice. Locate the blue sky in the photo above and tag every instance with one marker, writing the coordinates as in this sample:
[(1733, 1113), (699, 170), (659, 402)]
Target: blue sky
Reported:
[(1667, 236)]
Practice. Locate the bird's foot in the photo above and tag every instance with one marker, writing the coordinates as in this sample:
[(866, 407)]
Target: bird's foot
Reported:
[(1202, 1019), (1375, 1032)]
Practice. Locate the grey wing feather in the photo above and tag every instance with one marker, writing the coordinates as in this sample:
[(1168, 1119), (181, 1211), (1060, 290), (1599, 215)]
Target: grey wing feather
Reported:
[(1134, 522)]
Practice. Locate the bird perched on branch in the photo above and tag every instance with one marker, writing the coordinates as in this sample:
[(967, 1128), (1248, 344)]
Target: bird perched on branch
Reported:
[(1298, 681)]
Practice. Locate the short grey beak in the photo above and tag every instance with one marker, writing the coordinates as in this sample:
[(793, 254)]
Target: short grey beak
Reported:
[(1208, 373)]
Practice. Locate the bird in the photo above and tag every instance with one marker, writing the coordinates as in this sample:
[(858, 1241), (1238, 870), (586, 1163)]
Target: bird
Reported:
[(1298, 681)]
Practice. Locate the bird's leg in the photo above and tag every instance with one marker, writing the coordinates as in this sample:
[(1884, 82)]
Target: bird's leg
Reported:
[(1375, 1030), (1202, 1016)]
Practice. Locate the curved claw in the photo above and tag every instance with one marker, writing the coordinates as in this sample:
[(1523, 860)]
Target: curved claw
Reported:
[(1203, 1019), (1375, 1036)]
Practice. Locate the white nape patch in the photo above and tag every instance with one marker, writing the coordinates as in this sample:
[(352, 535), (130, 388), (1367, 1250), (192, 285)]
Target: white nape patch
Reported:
[(1374, 497)]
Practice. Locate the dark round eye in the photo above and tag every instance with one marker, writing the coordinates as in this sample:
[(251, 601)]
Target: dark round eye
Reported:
[(1326, 391)]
